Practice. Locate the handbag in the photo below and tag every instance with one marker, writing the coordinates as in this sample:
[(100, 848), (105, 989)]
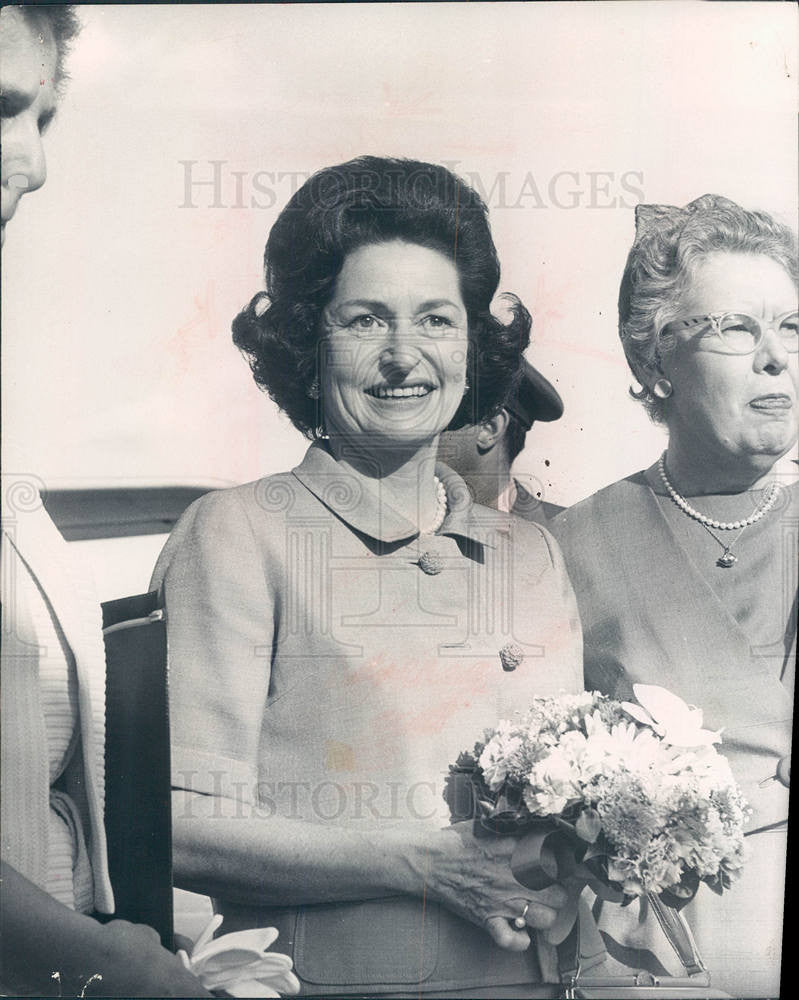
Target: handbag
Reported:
[(694, 984)]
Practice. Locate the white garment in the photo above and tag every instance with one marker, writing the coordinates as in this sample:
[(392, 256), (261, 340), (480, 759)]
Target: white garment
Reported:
[(51, 623)]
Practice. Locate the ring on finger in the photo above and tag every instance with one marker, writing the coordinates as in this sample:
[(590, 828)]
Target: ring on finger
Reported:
[(521, 921)]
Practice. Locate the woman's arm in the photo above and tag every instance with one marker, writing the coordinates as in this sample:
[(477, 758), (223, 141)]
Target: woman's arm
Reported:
[(50, 950), (222, 594), (277, 861)]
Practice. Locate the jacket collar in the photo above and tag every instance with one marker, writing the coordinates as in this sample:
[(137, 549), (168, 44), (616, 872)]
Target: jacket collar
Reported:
[(357, 501)]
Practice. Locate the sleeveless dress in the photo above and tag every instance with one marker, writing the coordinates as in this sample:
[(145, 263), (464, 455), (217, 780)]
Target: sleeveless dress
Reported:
[(657, 609)]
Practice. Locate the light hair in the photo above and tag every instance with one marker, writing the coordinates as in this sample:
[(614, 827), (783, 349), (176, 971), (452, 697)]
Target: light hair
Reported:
[(669, 244)]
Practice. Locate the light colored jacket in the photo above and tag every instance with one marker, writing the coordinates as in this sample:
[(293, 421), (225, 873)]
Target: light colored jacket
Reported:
[(318, 671), (32, 544)]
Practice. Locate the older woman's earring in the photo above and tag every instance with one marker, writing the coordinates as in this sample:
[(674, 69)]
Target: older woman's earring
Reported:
[(321, 434), (662, 388), (313, 391)]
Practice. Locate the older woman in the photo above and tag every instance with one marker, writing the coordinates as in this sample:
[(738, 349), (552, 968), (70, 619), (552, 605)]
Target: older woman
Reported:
[(686, 573), (338, 633)]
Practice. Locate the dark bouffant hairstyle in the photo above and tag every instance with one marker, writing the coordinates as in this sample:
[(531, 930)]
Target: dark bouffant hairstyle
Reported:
[(373, 200), (63, 23)]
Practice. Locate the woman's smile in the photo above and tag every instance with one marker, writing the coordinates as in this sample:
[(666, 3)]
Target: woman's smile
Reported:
[(395, 346), (400, 392)]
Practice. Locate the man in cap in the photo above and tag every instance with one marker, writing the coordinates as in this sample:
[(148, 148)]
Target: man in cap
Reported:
[(484, 453)]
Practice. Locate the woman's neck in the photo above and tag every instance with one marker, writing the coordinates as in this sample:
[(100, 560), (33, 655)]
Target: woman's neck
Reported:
[(405, 475), (695, 471)]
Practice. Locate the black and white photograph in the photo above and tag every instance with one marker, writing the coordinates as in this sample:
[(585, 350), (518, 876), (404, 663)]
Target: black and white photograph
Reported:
[(400, 498)]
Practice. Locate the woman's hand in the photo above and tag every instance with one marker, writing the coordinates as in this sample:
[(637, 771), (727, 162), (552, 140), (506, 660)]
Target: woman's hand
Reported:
[(46, 949), (132, 962), (472, 878)]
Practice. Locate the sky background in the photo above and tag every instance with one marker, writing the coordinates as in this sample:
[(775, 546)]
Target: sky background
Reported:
[(122, 275)]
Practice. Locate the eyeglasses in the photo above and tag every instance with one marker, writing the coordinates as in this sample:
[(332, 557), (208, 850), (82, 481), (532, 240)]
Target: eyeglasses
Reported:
[(741, 333)]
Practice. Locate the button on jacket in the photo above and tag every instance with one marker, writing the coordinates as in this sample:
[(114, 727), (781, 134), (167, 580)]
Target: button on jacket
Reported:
[(319, 672)]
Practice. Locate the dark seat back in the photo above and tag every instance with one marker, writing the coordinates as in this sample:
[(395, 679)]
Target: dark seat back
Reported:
[(137, 805)]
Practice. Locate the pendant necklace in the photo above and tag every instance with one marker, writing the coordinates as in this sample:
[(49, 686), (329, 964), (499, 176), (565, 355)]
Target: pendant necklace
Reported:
[(727, 558)]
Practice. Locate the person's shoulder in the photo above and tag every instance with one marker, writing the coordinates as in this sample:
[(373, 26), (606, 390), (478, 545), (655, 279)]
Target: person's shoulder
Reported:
[(614, 498), (232, 518), (530, 539), (531, 507), (227, 527), (251, 501)]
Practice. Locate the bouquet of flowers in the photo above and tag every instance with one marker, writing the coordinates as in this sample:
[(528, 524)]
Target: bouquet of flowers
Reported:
[(631, 799)]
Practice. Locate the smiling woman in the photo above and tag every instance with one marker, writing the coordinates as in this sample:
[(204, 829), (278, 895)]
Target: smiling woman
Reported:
[(320, 280), (396, 372), (338, 633)]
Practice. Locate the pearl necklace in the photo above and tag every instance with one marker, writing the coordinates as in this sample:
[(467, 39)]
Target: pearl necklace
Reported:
[(708, 523), (441, 509)]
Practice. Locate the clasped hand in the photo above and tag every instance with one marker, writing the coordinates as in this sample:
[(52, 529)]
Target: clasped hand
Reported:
[(472, 877)]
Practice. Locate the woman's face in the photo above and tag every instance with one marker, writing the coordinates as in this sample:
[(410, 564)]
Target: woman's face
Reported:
[(740, 406), (27, 84), (393, 361)]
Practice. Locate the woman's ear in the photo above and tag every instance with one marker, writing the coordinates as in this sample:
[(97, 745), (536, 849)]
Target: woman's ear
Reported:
[(492, 430), (648, 374)]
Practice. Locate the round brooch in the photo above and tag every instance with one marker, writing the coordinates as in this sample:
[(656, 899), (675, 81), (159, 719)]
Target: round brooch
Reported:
[(511, 656), (431, 563)]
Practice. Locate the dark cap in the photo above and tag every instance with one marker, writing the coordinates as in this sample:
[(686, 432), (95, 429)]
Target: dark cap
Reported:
[(535, 399)]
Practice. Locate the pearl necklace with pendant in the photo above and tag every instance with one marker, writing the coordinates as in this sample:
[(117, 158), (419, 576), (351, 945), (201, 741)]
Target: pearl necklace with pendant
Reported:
[(727, 558)]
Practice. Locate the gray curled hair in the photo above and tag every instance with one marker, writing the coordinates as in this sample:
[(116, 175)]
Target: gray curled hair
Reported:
[(669, 243)]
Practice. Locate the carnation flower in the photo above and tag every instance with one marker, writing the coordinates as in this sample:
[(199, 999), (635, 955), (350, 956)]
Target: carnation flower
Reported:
[(552, 783), (630, 815), (501, 756)]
